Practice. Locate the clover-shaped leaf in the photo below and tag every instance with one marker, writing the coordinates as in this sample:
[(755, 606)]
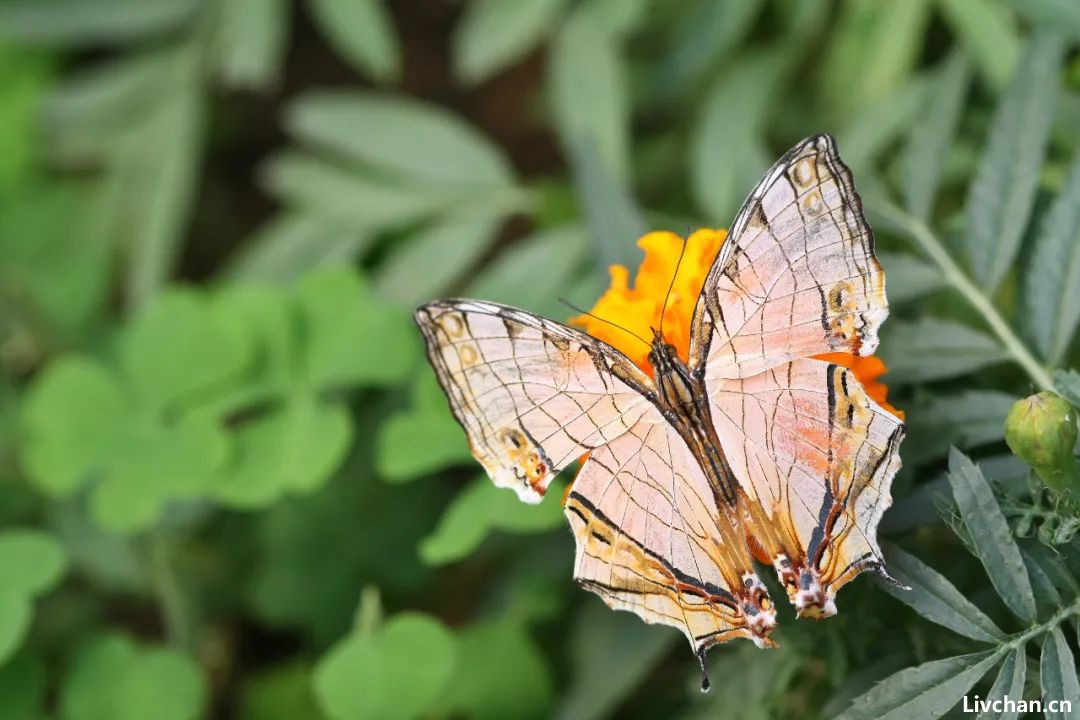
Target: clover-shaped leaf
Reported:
[(395, 670), (482, 508), (422, 439), (31, 562), (115, 679)]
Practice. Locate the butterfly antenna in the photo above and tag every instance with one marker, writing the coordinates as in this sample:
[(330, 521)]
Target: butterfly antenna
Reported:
[(667, 296), (626, 330)]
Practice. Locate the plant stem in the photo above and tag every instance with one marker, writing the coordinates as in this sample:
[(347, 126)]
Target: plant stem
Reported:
[(1059, 617), (167, 586), (958, 279)]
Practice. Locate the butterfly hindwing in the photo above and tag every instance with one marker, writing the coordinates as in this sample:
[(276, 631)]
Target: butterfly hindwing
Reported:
[(817, 456), (650, 539), (532, 395), (797, 275)]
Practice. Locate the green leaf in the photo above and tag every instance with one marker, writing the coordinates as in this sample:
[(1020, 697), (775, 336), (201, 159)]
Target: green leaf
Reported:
[(613, 219), (296, 448), (871, 54), (1068, 383), (989, 33), (966, 420), (75, 23), (871, 132), (481, 509), (179, 348), (434, 258), (936, 599), (22, 688), (1052, 283), (500, 673), (512, 278), (115, 679), (588, 92), (340, 195), (251, 42), (73, 414), (993, 539), (1057, 15), (494, 34), (1000, 197), (406, 139), (909, 277), (612, 655), (401, 458), (349, 336), (728, 152), (1009, 682), (31, 563), (397, 670), (932, 136), (931, 349), (295, 243), (1057, 674), (282, 693), (925, 691), (361, 31)]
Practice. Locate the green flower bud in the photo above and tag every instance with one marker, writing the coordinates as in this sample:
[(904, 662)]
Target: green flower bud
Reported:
[(1041, 431)]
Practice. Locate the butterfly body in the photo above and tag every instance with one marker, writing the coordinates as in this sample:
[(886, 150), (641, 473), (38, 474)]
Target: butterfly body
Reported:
[(748, 449)]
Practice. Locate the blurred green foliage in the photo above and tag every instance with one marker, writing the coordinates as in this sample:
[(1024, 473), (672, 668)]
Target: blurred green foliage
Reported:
[(230, 486)]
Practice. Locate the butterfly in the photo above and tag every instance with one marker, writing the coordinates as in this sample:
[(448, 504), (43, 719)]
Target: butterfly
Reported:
[(749, 450)]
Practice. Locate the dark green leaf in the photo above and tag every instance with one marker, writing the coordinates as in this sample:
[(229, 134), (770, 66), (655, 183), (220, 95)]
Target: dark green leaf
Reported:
[(925, 691), (611, 214), (1000, 197), (932, 349), (1068, 383), (22, 688), (992, 537), (966, 420), (936, 599), (1010, 683), (1057, 673), (1052, 283)]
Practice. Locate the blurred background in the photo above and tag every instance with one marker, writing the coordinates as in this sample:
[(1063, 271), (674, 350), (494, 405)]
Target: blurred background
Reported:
[(229, 485)]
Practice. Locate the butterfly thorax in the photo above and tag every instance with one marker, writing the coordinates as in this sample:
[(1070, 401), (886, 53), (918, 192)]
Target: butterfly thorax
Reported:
[(682, 398)]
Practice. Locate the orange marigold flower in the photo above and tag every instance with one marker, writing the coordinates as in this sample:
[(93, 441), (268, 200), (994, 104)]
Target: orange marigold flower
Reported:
[(638, 308)]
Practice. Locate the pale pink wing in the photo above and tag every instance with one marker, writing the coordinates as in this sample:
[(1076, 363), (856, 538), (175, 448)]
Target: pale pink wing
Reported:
[(532, 395), (651, 540), (818, 456), (797, 275)]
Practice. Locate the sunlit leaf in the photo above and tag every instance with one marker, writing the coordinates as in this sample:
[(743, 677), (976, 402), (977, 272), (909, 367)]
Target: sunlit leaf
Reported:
[(936, 599), (1052, 283), (396, 670), (925, 691), (362, 33), (992, 537), (1000, 197), (493, 34)]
